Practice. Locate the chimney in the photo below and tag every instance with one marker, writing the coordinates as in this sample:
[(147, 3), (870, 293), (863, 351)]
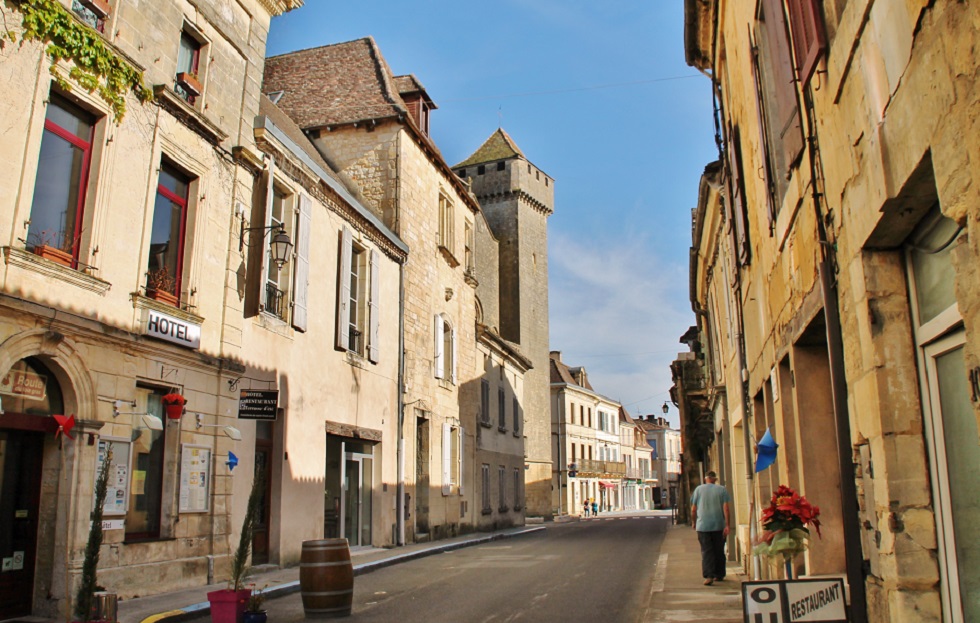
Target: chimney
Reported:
[(556, 355)]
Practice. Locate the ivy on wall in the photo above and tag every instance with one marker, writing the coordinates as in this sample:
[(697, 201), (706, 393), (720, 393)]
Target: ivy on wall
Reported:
[(95, 66)]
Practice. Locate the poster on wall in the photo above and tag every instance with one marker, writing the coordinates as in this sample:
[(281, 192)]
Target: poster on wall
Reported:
[(195, 483), (117, 492)]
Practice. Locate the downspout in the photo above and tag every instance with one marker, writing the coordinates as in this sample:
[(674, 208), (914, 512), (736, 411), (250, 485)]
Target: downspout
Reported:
[(400, 516), (853, 550), (561, 446)]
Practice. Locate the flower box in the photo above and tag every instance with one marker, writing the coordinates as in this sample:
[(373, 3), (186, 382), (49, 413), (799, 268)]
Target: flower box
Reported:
[(53, 254), (163, 296), (189, 83), (99, 7)]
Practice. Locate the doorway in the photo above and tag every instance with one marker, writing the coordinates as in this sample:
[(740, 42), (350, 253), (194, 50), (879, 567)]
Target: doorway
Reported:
[(20, 492), (348, 490), (263, 469)]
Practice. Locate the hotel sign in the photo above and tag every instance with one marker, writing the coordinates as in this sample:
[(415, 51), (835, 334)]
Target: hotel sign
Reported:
[(173, 329), (254, 404)]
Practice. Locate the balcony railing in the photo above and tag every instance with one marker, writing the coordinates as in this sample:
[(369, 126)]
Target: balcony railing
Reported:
[(274, 300), (607, 469)]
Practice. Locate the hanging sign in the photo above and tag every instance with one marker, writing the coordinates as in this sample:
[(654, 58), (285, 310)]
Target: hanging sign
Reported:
[(25, 384), (789, 601), (258, 404), (172, 329)]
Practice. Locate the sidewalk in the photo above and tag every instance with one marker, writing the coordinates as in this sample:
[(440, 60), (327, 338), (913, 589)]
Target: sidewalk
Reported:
[(678, 593)]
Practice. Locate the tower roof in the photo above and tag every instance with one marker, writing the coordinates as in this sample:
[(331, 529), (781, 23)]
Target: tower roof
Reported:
[(500, 146)]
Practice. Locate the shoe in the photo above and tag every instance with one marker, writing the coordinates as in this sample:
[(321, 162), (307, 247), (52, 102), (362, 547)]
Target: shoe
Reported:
[(720, 579), (709, 581)]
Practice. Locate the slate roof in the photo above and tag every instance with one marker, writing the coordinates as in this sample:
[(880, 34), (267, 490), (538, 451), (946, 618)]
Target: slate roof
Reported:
[(335, 84), (500, 146)]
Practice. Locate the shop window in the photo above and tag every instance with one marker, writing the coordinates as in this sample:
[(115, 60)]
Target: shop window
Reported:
[(30, 388), (61, 183), (144, 515), (164, 271), (358, 308)]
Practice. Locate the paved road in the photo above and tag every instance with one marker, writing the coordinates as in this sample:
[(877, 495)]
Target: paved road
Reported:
[(596, 571)]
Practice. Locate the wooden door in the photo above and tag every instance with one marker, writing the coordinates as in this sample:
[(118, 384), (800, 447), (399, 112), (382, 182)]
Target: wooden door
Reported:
[(20, 491)]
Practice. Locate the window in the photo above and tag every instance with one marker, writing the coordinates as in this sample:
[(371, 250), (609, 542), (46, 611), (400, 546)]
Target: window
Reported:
[(653, 444), (143, 517), (950, 423), (445, 350), (469, 259), (485, 402), (501, 166), (809, 41), (501, 410), (517, 489), (276, 278), (61, 182), (452, 459), (92, 12), (485, 480), (776, 91), (187, 82), (358, 308), (446, 224), (480, 170), (517, 416), (502, 489), (166, 263)]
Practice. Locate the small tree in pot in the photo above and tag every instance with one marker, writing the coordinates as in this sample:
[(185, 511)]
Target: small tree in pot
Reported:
[(228, 605), (84, 599)]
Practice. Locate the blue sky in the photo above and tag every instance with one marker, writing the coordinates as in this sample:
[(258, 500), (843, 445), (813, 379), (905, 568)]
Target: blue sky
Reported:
[(598, 96)]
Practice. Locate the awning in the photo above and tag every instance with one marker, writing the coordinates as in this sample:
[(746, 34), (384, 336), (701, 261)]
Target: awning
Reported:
[(607, 485)]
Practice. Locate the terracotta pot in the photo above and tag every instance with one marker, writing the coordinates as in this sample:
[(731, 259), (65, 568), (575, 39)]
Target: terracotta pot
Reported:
[(163, 296), (228, 606), (174, 411), (190, 83), (54, 254)]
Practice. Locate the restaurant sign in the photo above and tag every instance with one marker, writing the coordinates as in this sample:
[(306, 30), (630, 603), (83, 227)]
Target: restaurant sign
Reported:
[(258, 404), (25, 384), (171, 329)]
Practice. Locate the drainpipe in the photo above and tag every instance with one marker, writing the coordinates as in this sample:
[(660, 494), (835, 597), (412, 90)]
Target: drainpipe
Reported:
[(561, 446), (853, 550), (400, 516)]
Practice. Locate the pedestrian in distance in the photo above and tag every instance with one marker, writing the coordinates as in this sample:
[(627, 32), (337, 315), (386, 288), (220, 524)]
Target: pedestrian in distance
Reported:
[(585, 509), (710, 516), (595, 509)]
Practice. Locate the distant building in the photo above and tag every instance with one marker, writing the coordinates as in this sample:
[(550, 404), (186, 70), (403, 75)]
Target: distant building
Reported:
[(665, 444)]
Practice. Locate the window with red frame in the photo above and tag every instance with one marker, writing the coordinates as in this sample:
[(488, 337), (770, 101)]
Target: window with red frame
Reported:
[(62, 178), (167, 234)]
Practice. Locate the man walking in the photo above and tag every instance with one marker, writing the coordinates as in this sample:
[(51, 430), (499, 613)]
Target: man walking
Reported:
[(710, 516)]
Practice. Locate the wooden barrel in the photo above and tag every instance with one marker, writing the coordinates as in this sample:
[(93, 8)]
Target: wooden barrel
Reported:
[(326, 578)]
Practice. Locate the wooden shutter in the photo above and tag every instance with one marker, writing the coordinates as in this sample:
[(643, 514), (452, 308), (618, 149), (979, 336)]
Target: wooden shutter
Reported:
[(301, 268), (788, 125), (438, 354), (809, 40), (270, 195), (459, 461), (343, 290), (373, 315), (738, 207), (760, 112), (452, 363), (447, 458)]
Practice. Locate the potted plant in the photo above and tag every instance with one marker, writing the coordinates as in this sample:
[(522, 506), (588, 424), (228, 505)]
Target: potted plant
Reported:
[(85, 606), (99, 7), (784, 526), (160, 285), (173, 405), (254, 612), (54, 246), (228, 605), (190, 82)]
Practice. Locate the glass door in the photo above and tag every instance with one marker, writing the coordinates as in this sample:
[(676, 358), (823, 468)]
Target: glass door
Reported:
[(357, 498)]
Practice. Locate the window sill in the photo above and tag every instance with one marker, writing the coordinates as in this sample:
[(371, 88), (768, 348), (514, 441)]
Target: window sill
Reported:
[(273, 323), (486, 424), (27, 260), (470, 277), (187, 114), (503, 509), (501, 429), (486, 511), (143, 302), (443, 383), (517, 433), (356, 359), (448, 256)]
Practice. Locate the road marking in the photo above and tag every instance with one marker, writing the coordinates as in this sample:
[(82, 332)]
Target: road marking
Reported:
[(660, 575)]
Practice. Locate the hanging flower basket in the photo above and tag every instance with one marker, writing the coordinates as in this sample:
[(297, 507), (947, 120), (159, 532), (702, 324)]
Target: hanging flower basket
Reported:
[(173, 405)]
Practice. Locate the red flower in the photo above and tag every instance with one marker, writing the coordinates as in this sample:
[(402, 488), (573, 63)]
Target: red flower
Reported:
[(788, 510), (173, 399)]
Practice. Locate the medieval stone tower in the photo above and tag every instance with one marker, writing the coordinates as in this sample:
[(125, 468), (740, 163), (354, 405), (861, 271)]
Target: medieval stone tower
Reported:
[(517, 199)]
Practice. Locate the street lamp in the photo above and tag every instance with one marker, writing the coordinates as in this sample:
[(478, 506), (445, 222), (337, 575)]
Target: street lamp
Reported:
[(280, 246), (666, 409)]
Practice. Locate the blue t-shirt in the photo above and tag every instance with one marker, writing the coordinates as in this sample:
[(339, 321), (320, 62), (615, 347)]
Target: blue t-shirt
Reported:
[(710, 500)]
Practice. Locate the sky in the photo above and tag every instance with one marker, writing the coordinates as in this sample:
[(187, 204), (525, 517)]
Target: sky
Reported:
[(598, 96)]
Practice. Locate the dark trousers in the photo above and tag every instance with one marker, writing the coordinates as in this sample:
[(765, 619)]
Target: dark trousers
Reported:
[(712, 554)]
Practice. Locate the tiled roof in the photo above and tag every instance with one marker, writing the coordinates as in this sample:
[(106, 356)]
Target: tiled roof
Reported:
[(500, 146), (334, 84), (289, 127), (560, 373), (411, 84)]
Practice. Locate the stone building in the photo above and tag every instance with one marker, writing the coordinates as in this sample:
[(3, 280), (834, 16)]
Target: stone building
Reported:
[(517, 198), (639, 481), (834, 271), (119, 231), (665, 445)]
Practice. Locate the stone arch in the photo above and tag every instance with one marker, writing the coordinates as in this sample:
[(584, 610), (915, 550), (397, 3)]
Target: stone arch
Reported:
[(61, 356)]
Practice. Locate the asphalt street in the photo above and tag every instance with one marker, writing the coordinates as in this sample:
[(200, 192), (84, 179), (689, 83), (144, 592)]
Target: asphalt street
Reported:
[(595, 571)]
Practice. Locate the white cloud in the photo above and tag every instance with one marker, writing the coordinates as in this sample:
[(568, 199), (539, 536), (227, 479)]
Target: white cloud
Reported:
[(618, 308)]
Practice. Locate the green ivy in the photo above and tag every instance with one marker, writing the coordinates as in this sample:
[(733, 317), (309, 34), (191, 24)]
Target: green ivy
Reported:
[(96, 68)]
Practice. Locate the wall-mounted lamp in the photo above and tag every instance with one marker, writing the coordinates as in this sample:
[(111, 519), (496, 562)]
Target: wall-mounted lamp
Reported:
[(149, 420), (231, 431), (280, 246)]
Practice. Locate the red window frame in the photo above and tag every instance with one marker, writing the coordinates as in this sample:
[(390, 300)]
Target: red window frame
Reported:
[(182, 202)]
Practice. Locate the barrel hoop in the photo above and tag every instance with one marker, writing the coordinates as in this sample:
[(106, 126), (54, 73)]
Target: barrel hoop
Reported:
[(327, 593), (342, 563), (316, 610)]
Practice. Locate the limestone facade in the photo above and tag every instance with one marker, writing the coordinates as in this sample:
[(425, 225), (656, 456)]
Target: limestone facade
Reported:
[(833, 269)]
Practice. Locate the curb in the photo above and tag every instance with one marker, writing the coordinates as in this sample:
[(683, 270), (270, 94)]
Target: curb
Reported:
[(288, 588)]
